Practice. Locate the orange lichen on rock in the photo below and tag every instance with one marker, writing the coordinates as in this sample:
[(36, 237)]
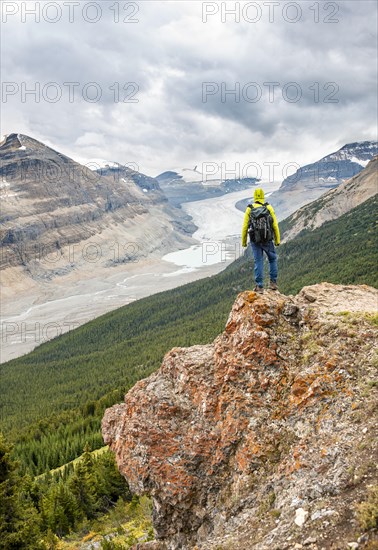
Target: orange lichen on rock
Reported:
[(259, 403)]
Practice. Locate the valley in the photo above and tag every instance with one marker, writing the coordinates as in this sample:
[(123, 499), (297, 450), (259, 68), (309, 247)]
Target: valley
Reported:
[(37, 312)]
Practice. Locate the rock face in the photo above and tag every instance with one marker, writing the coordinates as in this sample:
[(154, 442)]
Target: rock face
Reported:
[(251, 441), (312, 180), (335, 202)]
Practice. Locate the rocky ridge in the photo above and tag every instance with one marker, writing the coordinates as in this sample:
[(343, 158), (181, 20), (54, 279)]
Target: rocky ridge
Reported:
[(335, 202), (312, 180), (265, 438)]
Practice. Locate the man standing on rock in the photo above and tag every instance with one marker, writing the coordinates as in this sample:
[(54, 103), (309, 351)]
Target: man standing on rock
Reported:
[(260, 223)]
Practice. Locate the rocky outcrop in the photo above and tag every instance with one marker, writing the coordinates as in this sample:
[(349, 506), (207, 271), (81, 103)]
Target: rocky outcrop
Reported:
[(264, 438), (311, 181), (335, 202)]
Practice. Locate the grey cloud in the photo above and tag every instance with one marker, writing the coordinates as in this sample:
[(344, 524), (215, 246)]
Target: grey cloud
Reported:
[(169, 54)]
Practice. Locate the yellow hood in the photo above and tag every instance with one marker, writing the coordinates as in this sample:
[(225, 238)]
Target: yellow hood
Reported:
[(258, 195)]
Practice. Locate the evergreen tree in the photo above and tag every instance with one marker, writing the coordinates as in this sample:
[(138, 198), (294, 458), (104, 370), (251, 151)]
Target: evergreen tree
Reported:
[(59, 509), (110, 485), (19, 521), (81, 485)]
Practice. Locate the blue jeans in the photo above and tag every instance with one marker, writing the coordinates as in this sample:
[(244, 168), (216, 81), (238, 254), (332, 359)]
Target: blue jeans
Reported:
[(258, 255)]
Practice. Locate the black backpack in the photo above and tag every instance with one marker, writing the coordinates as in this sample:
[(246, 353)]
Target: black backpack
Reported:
[(260, 227)]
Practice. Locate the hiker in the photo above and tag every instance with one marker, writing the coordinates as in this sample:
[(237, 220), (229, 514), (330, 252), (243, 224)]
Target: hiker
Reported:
[(260, 223)]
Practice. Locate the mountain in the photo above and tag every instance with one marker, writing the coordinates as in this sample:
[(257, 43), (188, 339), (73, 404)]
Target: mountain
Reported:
[(312, 180), (51, 203), (250, 441), (120, 172), (188, 185), (334, 203)]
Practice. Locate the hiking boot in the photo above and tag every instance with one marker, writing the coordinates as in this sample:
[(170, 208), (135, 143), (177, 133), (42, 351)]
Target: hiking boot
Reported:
[(258, 289), (273, 285)]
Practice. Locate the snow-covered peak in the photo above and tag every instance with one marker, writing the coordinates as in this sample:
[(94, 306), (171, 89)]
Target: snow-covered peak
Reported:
[(101, 164), (187, 175), (359, 152), (191, 174), (194, 175)]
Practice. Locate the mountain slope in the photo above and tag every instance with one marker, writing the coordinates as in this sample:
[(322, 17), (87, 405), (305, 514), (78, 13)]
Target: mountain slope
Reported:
[(63, 226), (121, 172), (68, 381), (334, 203), (260, 424), (312, 180), (51, 200)]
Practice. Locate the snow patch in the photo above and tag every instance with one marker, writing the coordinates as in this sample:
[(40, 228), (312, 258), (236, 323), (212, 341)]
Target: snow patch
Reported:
[(22, 147), (191, 175), (330, 178), (359, 161), (352, 153)]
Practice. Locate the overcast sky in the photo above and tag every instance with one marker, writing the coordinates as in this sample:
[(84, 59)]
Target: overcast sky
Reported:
[(181, 58)]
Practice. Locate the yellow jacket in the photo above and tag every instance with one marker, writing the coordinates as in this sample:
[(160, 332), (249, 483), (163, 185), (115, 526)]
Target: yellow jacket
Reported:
[(259, 196)]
